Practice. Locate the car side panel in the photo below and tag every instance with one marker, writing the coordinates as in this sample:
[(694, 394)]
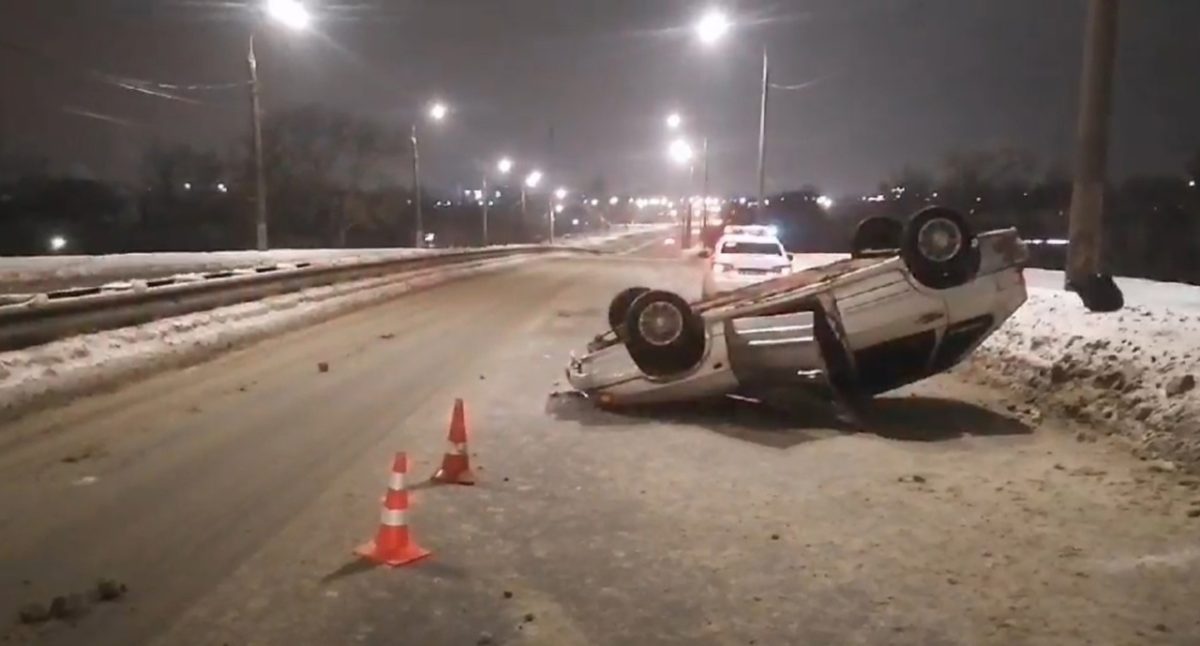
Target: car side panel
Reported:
[(778, 350), (886, 306)]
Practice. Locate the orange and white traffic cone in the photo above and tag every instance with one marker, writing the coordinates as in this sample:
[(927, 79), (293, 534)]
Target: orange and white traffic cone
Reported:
[(392, 544), (456, 466)]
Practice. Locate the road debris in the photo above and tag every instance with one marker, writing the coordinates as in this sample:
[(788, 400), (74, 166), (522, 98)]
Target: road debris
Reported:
[(508, 594), (387, 337), (1162, 466), (33, 613), (67, 606), (323, 366), (110, 590), (529, 617), (919, 479), (1180, 384)]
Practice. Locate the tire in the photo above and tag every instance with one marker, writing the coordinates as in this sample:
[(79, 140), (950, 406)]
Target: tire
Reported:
[(939, 248), (664, 336), (876, 234), (619, 307)]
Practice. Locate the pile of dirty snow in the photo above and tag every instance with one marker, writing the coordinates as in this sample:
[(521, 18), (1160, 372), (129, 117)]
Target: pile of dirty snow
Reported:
[(1132, 374)]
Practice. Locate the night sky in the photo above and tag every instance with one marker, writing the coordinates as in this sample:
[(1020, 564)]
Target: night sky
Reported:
[(898, 81)]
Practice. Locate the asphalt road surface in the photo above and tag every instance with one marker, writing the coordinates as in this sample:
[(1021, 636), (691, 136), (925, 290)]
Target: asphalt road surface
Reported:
[(228, 497)]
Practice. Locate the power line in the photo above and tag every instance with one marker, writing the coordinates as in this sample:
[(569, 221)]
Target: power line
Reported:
[(141, 86)]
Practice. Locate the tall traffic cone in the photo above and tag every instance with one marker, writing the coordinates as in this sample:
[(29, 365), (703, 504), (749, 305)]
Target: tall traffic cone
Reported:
[(392, 544), (456, 466)]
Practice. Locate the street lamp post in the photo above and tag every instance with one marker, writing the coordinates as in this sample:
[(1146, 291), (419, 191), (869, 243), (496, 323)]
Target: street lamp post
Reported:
[(712, 27), (762, 133), (291, 14), (437, 112), (503, 166), (674, 121), (560, 194), (531, 181), (681, 153)]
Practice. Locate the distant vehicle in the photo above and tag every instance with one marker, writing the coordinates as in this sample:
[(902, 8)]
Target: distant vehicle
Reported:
[(896, 312), (745, 255)]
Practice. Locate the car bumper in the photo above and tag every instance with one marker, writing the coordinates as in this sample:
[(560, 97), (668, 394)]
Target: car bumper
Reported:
[(715, 283)]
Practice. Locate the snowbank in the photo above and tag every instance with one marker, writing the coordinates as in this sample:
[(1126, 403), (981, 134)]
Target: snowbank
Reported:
[(1131, 374), (78, 365)]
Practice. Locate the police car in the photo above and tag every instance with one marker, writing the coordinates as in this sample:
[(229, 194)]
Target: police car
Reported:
[(745, 255)]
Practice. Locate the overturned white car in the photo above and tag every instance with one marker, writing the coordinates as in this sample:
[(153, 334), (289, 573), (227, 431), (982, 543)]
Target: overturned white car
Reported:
[(912, 301)]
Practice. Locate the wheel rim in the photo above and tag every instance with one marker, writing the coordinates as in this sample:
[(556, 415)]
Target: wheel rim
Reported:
[(939, 240), (660, 324)]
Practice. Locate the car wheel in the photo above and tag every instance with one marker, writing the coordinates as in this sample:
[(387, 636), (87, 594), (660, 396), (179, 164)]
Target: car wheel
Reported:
[(665, 337), (876, 234), (619, 307), (939, 248)]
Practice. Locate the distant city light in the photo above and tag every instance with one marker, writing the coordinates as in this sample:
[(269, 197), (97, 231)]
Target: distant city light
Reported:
[(574, 222), (57, 243), (222, 187), (1192, 183), (560, 193), (825, 202), (533, 179), (613, 201), (558, 208), (187, 186), (438, 111), (504, 165), (595, 202), (429, 237), (674, 121), (712, 26)]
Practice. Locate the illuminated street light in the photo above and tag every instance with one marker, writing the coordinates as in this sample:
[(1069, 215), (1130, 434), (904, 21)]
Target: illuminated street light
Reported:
[(595, 202), (292, 14), (221, 187), (533, 179), (559, 208), (712, 26), (57, 243), (825, 202), (674, 121), (560, 193), (680, 151), (504, 165), (437, 112), (289, 13), (614, 200)]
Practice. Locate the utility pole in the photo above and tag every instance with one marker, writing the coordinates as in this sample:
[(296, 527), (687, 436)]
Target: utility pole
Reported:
[(704, 193), (485, 210), (1098, 291), (260, 183), (416, 177), (762, 134)]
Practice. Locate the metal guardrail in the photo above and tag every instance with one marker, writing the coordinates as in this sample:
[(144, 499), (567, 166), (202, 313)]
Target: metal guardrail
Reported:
[(41, 318)]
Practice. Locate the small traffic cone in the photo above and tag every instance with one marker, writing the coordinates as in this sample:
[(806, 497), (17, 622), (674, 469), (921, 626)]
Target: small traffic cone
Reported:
[(456, 466), (392, 544)]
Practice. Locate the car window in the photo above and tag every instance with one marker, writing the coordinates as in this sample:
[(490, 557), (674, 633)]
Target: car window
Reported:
[(761, 248)]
